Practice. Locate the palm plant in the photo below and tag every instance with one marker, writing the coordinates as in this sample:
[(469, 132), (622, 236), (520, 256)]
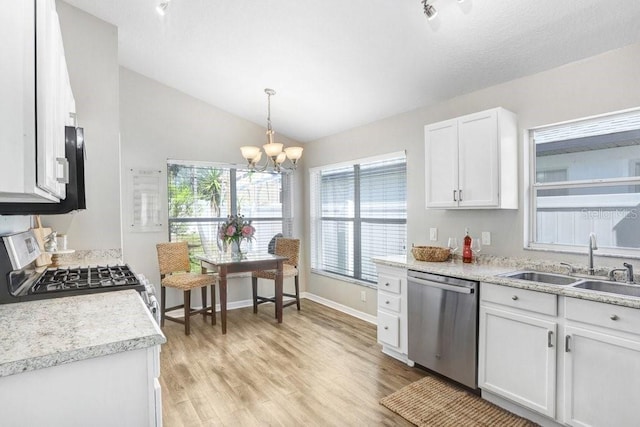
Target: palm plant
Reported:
[(210, 188)]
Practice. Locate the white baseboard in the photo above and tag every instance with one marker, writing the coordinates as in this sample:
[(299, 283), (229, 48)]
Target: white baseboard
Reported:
[(315, 298), (343, 308)]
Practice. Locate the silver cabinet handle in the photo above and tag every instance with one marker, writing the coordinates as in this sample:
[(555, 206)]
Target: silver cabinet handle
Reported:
[(386, 284), (65, 170), (460, 195), (567, 342), (614, 317), (386, 327), (454, 195), (549, 339), (386, 302), (515, 297)]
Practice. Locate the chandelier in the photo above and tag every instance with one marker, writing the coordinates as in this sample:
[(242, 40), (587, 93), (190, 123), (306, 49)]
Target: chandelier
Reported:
[(275, 151)]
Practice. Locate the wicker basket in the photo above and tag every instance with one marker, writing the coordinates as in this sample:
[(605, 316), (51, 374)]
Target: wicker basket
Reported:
[(430, 253)]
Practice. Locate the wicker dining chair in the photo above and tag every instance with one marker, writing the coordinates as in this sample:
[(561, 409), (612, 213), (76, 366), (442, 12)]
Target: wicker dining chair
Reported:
[(285, 247), (173, 259)]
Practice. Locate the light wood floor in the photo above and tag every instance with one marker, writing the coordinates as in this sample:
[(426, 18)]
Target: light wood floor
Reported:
[(319, 367)]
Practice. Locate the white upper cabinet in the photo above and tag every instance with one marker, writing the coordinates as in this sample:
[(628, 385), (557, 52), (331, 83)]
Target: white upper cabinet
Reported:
[(37, 106), (472, 161)]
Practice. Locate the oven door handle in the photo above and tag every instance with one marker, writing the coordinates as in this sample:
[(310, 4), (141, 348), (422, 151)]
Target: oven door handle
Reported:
[(444, 286)]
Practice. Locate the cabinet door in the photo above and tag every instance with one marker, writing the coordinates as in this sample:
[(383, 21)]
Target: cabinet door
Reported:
[(389, 329), (441, 162), (50, 128), (517, 358), (601, 379), (17, 103), (478, 160)]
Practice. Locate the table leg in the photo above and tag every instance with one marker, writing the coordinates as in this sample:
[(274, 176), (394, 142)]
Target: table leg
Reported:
[(279, 292), (222, 272)]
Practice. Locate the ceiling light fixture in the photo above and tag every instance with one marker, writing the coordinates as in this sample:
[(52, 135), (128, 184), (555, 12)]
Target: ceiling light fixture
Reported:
[(429, 10), (275, 151), (162, 7)]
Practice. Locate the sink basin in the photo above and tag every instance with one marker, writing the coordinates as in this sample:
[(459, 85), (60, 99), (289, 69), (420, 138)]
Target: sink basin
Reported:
[(547, 278), (609, 287)]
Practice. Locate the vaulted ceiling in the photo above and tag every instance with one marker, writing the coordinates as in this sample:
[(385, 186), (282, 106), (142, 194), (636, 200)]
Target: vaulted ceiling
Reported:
[(338, 64)]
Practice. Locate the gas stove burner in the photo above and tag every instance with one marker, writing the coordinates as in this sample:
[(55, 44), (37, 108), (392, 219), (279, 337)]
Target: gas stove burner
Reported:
[(90, 278)]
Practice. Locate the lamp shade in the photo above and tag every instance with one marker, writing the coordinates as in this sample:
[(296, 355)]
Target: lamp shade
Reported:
[(293, 153), (281, 157), (273, 149), (250, 152)]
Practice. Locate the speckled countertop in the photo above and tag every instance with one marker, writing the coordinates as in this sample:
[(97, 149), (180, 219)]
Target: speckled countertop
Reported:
[(44, 333), (490, 268)]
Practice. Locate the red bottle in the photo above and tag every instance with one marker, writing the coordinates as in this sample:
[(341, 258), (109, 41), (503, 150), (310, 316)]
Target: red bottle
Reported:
[(467, 255)]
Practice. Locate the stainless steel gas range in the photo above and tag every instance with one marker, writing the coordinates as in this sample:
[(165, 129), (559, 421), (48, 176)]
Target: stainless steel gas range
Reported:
[(20, 280)]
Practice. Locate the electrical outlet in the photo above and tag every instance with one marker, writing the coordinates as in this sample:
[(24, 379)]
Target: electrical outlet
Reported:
[(363, 296), (433, 234), (486, 238)]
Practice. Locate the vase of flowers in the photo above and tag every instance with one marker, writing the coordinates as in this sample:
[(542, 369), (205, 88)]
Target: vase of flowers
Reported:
[(234, 231)]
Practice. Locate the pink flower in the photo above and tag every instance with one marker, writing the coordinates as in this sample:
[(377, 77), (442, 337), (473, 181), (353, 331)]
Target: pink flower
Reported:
[(231, 230), (247, 231)]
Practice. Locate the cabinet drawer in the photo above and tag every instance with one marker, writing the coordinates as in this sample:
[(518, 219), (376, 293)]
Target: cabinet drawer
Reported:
[(389, 302), (388, 329), (523, 299), (625, 319), (389, 283)]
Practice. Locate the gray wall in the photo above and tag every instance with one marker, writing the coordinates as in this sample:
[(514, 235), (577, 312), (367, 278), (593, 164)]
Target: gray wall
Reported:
[(600, 84), (159, 123)]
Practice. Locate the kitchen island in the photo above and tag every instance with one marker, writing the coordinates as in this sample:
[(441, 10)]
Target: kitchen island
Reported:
[(81, 360)]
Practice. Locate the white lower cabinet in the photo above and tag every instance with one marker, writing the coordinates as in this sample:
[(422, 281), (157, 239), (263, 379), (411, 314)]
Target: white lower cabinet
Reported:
[(392, 311), (574, 361), (602, 365), (517, 352), (516, 359), (120, 389)]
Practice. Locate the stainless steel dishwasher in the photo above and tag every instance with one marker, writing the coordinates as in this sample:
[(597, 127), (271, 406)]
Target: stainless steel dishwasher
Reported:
[(443, 325)]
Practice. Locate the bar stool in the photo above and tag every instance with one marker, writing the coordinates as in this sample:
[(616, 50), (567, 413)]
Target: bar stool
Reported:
[(173, 259)]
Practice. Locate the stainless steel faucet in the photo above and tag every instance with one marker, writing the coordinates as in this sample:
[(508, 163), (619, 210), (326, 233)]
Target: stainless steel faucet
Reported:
[(628, 268), (593, 245)]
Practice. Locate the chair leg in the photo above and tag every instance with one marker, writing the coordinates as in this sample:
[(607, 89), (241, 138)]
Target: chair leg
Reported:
[(204, 303), (163, 304), (254, 287), (213, 304), (187, 312), (297, 292)]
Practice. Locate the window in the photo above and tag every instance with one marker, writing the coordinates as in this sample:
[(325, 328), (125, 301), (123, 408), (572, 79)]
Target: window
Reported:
[(202, 195), (586, 178), (358, 210)]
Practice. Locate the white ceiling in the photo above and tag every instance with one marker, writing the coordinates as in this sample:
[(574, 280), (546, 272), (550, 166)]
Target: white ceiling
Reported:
[(338, 64)]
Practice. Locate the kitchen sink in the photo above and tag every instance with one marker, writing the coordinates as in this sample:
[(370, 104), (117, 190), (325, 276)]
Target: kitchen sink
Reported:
[(546, 278), (609, 287)]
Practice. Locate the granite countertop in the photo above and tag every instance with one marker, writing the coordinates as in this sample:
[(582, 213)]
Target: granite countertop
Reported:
[(45, 333), (488, 273)]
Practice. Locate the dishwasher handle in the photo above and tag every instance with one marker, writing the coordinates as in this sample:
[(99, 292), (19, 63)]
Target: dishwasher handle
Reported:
[(458, 289)]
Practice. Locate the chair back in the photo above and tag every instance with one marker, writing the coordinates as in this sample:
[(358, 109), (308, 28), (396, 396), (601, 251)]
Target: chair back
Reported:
[(289, 248), (172, 257)]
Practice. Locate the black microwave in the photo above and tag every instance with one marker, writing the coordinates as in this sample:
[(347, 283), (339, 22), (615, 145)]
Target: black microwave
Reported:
[(75, 198)]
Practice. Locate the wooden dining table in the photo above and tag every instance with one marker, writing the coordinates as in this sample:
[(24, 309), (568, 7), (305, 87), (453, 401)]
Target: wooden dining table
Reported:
[(225, 264)]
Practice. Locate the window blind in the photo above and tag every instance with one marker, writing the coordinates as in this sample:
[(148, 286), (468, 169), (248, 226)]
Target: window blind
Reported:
[(358, 211), (202, 195)]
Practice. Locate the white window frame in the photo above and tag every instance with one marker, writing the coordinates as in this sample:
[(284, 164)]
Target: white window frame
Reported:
[(286, 218), (530, 190), (316, 223)]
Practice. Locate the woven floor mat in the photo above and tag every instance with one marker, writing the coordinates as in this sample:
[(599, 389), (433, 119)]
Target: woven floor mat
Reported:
[(434, 402)]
